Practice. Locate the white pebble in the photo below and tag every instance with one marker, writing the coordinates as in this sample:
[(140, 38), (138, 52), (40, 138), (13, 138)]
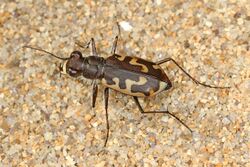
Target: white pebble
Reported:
[(158, 2), (203, 78), (164, 119), (126, 26), (95, 124), (240, 21), (226, 121), (208, 23), (70, 161), (48, 136)]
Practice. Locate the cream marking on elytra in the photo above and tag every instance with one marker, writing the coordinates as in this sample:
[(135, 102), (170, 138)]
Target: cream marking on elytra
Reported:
[(162, 86), (115, 86), (128, 85), (156, 67), (133, 61)]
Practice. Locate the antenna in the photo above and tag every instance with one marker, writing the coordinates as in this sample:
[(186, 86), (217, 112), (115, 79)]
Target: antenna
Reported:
[(41, 50)]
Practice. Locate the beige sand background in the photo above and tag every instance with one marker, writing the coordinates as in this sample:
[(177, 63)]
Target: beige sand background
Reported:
[(45, 119)]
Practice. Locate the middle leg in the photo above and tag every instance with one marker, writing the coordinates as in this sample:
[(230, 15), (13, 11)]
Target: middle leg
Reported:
[(116, 39), (94, 95), (106, 98)]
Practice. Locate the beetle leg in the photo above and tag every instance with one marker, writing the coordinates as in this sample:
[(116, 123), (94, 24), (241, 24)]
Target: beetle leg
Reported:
[(106, 97), (114, 45), (84, 47), (116, 39), (119, 29), (95, 91), (92, 41), (157, 112), (196, 81), (93, 47)]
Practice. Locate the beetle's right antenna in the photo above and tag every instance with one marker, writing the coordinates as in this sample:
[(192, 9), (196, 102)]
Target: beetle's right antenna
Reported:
[(41, 50)]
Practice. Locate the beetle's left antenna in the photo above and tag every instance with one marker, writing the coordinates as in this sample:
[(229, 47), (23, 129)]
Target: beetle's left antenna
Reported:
[(41, 50)]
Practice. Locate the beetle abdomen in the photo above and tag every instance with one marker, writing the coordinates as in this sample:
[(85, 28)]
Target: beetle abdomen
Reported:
[(132, 83), (134, 76)]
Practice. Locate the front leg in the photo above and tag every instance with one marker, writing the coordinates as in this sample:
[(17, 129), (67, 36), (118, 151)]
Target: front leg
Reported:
[(84, 47), (93, 49), (106, 98), (94, 95), (114, 45), (116, 39)]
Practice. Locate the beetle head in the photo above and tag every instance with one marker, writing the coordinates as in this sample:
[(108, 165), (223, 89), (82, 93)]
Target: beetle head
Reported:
[(73, 65)]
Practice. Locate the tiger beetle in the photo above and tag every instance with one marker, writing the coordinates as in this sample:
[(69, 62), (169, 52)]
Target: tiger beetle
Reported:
[(129, 75)]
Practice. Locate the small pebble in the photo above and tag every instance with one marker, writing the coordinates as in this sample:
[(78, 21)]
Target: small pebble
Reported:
[(226, 121), (126, 26)]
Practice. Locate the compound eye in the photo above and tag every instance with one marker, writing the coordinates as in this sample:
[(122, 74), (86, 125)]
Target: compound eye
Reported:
[(76, 54)]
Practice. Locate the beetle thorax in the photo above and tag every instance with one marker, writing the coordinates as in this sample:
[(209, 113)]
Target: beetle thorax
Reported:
[(92, 67)]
